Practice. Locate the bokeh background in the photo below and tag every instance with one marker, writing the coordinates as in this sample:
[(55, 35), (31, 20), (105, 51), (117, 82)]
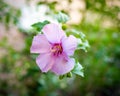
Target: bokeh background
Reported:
[(99, 20)]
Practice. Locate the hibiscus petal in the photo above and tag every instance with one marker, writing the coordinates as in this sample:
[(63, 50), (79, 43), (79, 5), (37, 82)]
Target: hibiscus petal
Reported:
[(45, 62), (69, 45), (53, 33), (40, 44), (62, 66)]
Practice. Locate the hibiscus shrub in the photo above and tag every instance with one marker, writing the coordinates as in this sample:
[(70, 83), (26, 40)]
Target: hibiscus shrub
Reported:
[(20, 76)]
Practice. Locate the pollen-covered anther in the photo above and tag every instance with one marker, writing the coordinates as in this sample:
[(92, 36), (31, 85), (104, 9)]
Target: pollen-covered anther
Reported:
[(57, 49)]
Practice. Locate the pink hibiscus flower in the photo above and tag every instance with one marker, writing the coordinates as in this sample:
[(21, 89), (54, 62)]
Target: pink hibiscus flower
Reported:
[(55, 49)]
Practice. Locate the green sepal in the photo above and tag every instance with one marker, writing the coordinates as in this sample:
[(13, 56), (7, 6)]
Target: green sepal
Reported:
[(61, 77), (69, 75)]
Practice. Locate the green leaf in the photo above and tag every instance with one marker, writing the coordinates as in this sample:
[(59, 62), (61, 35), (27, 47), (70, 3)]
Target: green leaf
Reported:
[(38, 26), (78, 34), (81, 40), (78, 69), (62, 17), (83, 45), (82, 35), (7, 19)]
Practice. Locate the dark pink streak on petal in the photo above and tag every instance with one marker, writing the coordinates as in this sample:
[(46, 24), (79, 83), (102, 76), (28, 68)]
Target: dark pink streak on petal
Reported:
[(62, 66), (53, 33), (45, 62), (69, 45), (40, 44)]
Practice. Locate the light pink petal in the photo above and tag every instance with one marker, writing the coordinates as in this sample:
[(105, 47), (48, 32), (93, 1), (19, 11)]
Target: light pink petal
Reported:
[(45, 62), (62, 66), (69, 45), (53, 33), (40, 44)]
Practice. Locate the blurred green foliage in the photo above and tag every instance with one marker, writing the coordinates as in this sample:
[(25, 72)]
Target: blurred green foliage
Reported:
[(8, 14), (101, 63)]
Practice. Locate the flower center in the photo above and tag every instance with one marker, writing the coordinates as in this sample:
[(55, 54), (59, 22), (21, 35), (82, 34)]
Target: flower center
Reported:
[(57, 49)]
